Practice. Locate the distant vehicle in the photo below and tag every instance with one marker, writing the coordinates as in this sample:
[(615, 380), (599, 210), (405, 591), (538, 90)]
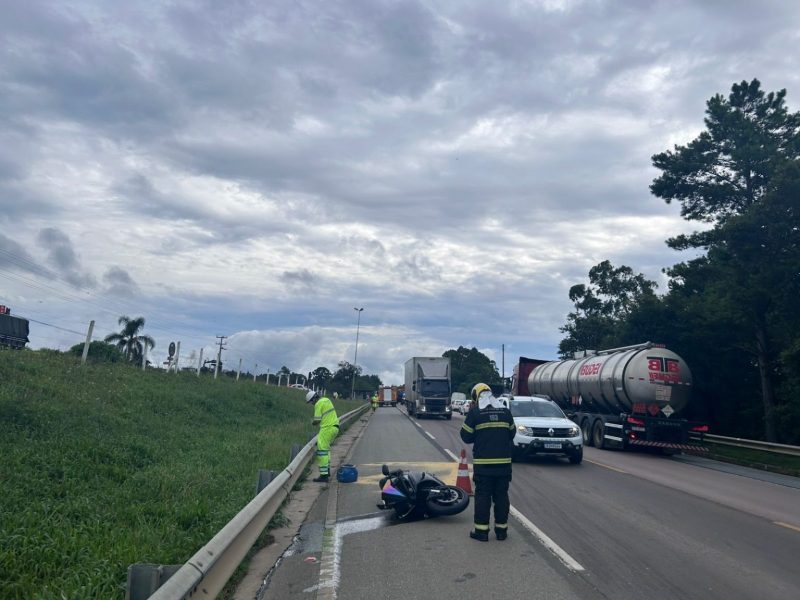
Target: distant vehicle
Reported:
[(623, 397), (13, 330), (298, 386), (543, 428), (387, 395), (427, 386)]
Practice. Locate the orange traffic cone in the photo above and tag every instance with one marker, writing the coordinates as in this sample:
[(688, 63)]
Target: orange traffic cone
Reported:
[(462, 481)]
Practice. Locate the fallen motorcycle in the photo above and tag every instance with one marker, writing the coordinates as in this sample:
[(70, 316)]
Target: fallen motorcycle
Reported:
[(416, 494)]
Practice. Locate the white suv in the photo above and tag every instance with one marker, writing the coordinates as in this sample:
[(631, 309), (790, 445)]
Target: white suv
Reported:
[(542, 428)]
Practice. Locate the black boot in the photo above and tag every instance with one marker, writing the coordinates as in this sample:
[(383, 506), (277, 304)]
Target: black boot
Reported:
[(501, 534), (321, 479), (481, 536)]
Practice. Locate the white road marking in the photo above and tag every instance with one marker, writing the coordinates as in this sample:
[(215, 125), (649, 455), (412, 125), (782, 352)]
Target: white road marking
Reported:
[(787, 525), (429, 435), (453, 456), (330, 567), (568, 561)]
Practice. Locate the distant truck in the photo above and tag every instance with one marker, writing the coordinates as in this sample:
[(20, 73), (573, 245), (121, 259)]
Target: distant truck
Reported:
[(623, 397), (427, 387), (13, 330), (387, 395)]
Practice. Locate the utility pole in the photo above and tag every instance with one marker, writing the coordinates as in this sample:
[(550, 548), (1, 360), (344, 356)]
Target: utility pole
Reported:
[(221, 339), (355, 358)]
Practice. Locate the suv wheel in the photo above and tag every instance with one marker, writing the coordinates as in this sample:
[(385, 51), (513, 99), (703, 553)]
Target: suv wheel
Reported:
[(576, 457)]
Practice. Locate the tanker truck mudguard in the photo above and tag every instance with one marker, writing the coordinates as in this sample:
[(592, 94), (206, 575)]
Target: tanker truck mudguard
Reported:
[(624, 397)]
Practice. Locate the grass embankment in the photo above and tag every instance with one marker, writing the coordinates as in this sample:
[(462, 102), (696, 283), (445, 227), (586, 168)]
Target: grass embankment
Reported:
[(758, 459), (104, 465)]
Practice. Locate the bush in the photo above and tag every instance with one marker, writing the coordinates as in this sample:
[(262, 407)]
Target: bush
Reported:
[(101, 352)]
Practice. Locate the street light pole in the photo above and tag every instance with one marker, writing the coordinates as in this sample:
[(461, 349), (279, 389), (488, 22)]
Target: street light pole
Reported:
[(355, 358)]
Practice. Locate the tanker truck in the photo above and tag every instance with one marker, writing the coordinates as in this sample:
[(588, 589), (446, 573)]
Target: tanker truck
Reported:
[(623, 397)]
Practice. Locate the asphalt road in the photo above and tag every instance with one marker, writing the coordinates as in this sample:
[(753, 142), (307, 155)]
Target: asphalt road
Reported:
[(647, 526), (620, 525)]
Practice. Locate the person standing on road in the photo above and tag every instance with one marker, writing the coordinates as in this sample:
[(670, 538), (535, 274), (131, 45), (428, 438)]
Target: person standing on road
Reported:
[(489, 427), (374, 401), (326, 419)]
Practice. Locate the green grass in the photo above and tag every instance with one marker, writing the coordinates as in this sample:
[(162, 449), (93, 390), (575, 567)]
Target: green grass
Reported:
[(103, 465), (757, 459)]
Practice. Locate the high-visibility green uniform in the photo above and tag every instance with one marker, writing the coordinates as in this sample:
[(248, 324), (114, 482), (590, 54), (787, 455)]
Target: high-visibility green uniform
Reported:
[(375, 402), (326, 418)]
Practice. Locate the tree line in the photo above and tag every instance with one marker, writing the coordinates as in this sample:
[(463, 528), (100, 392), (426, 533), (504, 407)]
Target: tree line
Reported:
[(731, 312)]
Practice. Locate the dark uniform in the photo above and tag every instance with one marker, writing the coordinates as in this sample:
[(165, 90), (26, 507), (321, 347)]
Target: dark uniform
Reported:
[(490, 430)]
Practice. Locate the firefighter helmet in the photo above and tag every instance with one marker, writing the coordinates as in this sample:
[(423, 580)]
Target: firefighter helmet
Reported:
[(478, 389)]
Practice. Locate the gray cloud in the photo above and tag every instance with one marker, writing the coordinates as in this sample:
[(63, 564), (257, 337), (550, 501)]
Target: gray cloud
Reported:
[(62, 257), (119, 282), (14, 257)]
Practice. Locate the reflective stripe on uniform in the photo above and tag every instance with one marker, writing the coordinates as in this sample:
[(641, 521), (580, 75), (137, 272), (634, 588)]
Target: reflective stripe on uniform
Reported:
[(467, 428), (501, 525), (480, 527), (491, 461), (502, 424)]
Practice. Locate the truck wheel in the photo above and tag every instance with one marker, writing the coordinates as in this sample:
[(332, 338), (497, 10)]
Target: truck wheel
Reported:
[(586, 430), (597, 434), (450, 416)]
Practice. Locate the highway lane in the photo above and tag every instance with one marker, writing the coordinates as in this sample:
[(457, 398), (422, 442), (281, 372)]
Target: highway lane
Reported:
[(649, 526), (345, 548)]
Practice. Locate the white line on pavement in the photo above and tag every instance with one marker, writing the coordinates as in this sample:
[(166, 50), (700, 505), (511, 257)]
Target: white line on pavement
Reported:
[(429, 435), (453, 456), (570, 562)]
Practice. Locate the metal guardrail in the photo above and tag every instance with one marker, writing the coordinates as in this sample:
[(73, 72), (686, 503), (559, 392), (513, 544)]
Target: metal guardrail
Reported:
[(751, 444), (207, 572)]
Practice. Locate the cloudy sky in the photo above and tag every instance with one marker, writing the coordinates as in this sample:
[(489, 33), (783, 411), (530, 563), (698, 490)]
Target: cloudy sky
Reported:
[(258, 169)]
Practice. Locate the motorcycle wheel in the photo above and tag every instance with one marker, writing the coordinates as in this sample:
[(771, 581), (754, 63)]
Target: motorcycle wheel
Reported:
[(450, 501)]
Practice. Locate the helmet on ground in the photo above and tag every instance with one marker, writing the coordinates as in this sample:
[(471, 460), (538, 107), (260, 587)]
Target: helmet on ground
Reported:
[(478, 389), (311, 395)]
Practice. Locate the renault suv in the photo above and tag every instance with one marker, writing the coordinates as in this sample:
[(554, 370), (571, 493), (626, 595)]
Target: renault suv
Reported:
[(542, 428)]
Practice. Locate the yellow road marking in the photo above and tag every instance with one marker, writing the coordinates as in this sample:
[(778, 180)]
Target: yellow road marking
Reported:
[(787, 525), (606, 466), (446, 471)]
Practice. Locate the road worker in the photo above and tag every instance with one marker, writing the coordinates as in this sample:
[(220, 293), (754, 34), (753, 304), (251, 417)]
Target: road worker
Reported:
[(328, 422), (489, 427), (374, 401)]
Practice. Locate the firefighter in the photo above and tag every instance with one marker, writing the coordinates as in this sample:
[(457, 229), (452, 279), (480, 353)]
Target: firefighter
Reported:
[(489, 427), (374, 401), (328, 422)]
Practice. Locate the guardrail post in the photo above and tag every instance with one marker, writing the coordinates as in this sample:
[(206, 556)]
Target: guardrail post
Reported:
[(295, 450), (264, 477), (144, 579)]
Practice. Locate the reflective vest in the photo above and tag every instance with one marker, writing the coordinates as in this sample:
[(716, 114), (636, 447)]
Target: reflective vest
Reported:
[(325, 413)]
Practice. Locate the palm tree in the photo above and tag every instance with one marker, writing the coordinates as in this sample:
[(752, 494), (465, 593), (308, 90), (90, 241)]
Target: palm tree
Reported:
[(129, 340)]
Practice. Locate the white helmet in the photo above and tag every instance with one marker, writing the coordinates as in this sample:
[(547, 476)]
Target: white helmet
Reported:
[(311, 395)]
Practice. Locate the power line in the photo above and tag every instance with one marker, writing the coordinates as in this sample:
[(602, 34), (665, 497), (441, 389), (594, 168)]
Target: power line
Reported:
[(53, 326)]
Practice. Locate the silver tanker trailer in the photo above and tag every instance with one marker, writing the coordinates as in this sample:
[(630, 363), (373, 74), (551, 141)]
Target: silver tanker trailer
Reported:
[(623, 397)]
